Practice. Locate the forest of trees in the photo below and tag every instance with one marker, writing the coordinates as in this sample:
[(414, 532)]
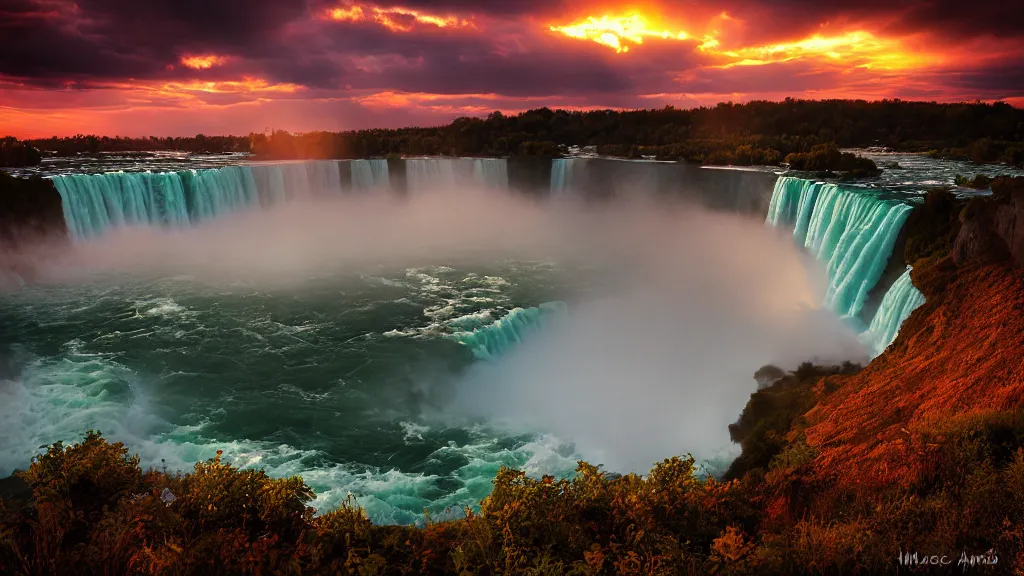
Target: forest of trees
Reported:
[(91, 145), (15, 153), (752, 133), (743, 134)]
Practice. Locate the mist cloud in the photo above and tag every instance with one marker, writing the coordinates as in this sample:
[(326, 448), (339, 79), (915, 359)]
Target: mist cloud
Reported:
[(664, 366)]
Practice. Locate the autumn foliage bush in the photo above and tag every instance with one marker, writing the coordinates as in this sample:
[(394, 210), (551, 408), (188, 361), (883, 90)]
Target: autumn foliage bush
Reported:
[(94, 511)]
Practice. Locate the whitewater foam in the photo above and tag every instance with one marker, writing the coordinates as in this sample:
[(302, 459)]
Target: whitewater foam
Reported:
[(490, 341)]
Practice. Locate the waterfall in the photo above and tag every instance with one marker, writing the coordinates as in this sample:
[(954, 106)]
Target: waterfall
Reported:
[(270, 184), (491, 173), (217, 192), (370, 174), (899, 301), (426, 174), (855, 233), (852, 230), (449, 173), (96, 203), (561, 175), (493, 340), (324, 177), (792, 205)]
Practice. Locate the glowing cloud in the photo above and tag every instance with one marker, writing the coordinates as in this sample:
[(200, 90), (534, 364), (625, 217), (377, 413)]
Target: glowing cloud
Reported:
[(857, 49), (193, 92), (203, 62), (394, 19), (853, 49), (245, 85), (617, 32)]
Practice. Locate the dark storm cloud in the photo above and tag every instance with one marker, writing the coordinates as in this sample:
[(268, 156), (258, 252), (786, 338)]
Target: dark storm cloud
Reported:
[(1000, 18), (953, 18), (446, 62), (223, 23), (38, 42), (1005, 79), (53, 40)]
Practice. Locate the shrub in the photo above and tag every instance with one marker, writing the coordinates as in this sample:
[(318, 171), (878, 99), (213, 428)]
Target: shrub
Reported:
[(979, 182), (15, 153), (93, 511), (828, 158)]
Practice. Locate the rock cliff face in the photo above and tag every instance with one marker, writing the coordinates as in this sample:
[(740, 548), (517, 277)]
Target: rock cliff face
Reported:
[(31, 214), (993, 227), (30, 210)]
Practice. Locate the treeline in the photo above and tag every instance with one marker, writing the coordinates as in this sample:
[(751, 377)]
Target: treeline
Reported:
[(92, 144), (752, 133), (984, 150), (744, 134), (15, 153)]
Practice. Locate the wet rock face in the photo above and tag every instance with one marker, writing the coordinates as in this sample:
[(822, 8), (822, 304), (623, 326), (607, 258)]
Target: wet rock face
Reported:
[(1009, 221), (31, 214), (979, 240), (30, 210), (992, 228)]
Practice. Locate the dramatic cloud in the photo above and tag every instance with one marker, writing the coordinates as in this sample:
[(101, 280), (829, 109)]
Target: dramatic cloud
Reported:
[(175, 66)]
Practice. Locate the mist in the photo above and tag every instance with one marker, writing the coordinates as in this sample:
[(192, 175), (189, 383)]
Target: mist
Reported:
[(664, 365), (690, 303), (311, 237)]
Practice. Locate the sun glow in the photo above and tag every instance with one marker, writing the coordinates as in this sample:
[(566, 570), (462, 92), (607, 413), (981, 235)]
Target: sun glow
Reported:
[(245, 85), (617, 32), (204, 62), (394, 19), (854, 49)]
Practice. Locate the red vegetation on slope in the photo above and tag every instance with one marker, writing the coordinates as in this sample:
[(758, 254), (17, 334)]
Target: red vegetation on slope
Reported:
[(959, 354)]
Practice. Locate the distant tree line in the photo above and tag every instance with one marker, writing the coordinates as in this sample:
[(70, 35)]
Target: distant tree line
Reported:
[(754, 133), (744, 134), (15, 153), (92, 144)]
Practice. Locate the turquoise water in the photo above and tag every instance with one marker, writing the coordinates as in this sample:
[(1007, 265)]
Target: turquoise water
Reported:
[(852, 230), (900, 300), (340, 379), (94, 204), (490, 341)]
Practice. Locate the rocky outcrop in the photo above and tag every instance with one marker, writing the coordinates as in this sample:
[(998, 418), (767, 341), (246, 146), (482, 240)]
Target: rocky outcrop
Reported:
[(15, 153), (992, 227), (30, 210), (31, 215)]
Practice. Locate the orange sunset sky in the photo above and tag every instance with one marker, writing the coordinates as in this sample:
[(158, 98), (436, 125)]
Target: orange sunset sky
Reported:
[(181, 67)]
